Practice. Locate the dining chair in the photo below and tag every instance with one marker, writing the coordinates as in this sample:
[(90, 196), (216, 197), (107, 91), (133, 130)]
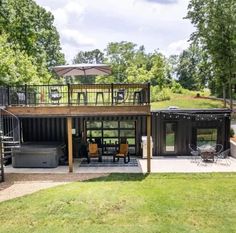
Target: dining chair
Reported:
[(194, 151), (55, 95), (224, 156)]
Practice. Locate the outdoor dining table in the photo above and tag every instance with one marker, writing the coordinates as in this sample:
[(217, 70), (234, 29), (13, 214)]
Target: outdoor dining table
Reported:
[(207, 152), (85, 89)]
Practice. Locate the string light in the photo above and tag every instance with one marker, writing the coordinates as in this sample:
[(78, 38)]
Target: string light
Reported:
[(194, 117)]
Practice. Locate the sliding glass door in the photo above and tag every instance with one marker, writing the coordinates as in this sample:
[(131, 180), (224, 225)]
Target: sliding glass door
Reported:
[(110, 133)]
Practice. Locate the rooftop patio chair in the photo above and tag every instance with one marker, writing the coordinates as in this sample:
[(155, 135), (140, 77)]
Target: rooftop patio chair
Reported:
[(224, 156), (55, 95), (123, 152), (20, 97), (120, 96), (194, 151), (93, 152)]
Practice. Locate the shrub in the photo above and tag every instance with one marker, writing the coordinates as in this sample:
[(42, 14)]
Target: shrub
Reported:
[(231, 132), (177, 88), (160, 95)]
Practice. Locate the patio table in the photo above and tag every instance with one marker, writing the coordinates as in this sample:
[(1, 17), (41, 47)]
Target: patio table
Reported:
[(207, 152)]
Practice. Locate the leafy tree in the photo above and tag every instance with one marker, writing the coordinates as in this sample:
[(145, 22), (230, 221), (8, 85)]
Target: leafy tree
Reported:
[(215, 22), (92, 57), (16, 67), (132, 64), (159, 70), (95, 57), (30, 29), (120, 55), (193, 70)]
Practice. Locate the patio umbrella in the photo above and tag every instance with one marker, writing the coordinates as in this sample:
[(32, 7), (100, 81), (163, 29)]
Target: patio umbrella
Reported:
[(82, 69)]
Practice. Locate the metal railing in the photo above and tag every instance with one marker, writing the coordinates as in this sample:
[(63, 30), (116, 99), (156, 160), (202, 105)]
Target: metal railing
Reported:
[(78, 94), (9, 137), (3, 96)]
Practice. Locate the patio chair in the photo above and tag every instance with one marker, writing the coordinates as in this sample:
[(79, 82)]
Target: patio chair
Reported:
[(194, 151), (120, 96), (20, 97), (224, 156), (123, 152), (55, 95), (218, 149), (93, 152)]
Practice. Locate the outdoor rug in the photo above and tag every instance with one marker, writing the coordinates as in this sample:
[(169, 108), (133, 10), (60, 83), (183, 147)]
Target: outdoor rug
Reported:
[(107, 161)]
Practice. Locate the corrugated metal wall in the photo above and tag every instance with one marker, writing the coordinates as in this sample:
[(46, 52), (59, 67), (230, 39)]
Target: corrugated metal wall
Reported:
[(44, 129), (54, 129), (186, 132)]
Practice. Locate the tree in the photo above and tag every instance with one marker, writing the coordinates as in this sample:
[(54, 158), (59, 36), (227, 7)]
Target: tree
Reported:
[(158, 70), (16, 67), (93, 57), (30, 29), (120, 55), (193, 69), (215, 22), (132, 64)]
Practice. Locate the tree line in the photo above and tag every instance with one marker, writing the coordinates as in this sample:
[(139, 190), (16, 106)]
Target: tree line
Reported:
[(30, 46)]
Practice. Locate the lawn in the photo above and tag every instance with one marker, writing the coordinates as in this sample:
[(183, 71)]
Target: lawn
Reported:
[(128, 203), (187, 101)]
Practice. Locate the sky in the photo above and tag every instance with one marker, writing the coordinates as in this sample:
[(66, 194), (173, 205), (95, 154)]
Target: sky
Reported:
[(85, 25)]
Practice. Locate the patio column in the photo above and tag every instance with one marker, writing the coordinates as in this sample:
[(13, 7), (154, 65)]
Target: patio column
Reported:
[(148, 143), (70, 150)]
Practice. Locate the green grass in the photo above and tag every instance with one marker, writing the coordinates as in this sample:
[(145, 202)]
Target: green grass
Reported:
[(128, 203), (187, 101)]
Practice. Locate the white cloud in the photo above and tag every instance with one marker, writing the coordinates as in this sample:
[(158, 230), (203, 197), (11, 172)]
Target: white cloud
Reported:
[(177, 47), (86, 25), (163, 1), (75, 38)]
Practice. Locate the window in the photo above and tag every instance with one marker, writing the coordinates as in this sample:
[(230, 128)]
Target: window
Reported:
[(206, 136), (94, 124), (110, 124), (170, 129)]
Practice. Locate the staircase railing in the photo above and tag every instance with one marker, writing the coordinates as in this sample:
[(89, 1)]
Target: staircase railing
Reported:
[(9, 137)]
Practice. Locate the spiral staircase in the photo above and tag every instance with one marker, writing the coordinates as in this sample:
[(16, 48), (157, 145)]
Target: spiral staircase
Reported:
[(9, 138)]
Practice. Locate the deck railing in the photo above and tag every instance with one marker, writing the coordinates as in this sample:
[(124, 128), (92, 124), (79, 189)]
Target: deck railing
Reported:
[(78, 94)]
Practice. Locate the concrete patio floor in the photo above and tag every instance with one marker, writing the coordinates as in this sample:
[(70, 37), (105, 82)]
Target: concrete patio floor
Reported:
[(158, 165)]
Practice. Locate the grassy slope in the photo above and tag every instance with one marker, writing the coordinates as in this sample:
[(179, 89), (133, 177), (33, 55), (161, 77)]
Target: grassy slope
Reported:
[(128, 203), (187, 101)]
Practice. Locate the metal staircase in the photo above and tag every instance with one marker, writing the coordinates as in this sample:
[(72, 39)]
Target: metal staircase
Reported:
[(9, 138)]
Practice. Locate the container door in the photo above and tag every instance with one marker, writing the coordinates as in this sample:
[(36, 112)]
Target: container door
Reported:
[(170, 132)]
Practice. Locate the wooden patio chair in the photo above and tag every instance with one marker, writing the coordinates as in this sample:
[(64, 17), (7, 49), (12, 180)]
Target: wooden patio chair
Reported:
[(93, 152), (123, 152)]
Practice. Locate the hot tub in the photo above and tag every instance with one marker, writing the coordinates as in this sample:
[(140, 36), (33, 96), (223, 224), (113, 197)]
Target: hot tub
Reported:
[(37, 154)]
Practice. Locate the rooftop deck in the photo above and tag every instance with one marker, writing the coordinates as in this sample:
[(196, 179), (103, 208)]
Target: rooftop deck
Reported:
[(76, 99)]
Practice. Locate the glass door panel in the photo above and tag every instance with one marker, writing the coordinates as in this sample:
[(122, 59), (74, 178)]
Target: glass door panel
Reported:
[(170, 136)]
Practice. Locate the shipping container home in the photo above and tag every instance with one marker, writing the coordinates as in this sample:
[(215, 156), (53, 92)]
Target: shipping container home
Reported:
[(174, 130), (106, 114)]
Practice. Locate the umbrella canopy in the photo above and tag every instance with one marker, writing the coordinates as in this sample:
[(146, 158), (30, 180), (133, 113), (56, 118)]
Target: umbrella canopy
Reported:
[(82, 69)]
